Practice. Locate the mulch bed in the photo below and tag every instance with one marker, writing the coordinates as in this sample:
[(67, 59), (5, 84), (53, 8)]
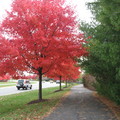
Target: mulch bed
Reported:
[(58, 90), (65, 87), (37, 101)]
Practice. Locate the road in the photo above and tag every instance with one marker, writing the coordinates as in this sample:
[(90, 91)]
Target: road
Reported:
[(13, 89)]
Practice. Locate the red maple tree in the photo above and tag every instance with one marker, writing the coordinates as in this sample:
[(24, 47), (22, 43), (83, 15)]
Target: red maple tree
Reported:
[(5, 78), (40, 33), (72, 75), (64, 71)]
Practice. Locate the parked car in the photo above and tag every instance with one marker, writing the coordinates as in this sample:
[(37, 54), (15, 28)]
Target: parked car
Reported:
[(25, 84)]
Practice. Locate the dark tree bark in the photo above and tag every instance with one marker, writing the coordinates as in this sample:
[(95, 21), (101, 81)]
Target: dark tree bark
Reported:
[(60, 82), (40, 83), (66, 83)]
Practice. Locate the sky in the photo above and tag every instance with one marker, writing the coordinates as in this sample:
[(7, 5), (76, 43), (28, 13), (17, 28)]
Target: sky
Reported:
[(81, 8), (83, 12)]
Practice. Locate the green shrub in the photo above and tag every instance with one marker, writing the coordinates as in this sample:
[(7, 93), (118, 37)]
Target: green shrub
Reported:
[(111, 91)]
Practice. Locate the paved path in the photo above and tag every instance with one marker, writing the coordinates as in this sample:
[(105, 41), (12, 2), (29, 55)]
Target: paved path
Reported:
[(81, 105)]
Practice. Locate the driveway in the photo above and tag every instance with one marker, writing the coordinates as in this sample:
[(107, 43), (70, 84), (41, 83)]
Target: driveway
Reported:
[(81, 105)]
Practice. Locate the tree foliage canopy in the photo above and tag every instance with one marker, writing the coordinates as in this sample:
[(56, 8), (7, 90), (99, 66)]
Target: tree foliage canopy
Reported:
[(41, 34), (104, 47)]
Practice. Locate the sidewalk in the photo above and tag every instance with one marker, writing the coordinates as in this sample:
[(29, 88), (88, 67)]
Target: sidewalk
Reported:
[(81, 105)]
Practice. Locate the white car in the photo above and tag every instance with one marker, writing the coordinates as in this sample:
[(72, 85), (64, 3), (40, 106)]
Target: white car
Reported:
[(25, 84)]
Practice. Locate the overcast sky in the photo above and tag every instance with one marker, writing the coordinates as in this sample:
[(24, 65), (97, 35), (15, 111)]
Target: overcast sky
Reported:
[(81, 9)]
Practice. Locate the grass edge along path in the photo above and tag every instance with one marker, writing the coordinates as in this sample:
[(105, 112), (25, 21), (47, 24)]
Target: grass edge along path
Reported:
[(111, 105), (15, 107)]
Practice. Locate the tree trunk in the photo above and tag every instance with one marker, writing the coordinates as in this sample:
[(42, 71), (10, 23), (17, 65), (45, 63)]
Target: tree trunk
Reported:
[(66, 83), (40, 84), (60, 83)]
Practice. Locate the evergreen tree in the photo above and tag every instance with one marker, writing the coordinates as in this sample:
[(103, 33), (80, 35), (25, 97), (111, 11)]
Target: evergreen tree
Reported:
[(104, 47)]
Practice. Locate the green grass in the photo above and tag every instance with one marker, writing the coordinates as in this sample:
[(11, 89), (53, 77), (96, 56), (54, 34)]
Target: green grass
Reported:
[(7, 84), (15, 107), (33, 82), (2, 83)]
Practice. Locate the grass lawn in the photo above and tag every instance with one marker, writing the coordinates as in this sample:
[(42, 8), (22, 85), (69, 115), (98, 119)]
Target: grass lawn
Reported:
[(15, 107), (2, 83), (7, 84)]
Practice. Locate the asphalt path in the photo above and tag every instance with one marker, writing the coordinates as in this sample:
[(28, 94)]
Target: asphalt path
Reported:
[(13, 90), (81, 105)]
